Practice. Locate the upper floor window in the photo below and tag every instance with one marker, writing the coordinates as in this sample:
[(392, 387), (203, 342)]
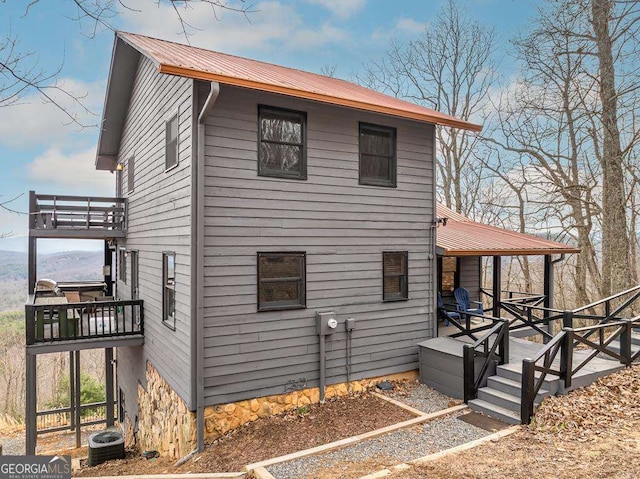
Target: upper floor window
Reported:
[(171, 145), (395, 276), (377, 155), (282, 143), (130, 173), (281, 281), (169, 289)]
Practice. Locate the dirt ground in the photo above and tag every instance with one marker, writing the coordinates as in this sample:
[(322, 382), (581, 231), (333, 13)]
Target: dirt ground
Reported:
[(590, 433), (271, 437)]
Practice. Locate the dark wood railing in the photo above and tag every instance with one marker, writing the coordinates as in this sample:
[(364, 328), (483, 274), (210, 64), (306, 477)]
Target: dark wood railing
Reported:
[(493, 347), (62, 418), (50, 323), (76, 213)]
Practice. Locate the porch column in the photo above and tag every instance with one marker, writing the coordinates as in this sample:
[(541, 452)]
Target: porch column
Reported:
[(32, 268), (548, 289), (497, 285), (78, 401), (30, 412), (108, 364)]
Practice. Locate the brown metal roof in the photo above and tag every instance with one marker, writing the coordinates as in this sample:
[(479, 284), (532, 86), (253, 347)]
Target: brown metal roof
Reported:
[(464, 237), (183, 60)]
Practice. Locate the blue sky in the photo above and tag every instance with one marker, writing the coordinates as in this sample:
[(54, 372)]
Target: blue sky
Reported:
[(41, 151)]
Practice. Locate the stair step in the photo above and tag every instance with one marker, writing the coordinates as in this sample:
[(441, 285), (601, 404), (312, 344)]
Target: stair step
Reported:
[(499, 398), (514, 373), (512, 387), (497, 412)]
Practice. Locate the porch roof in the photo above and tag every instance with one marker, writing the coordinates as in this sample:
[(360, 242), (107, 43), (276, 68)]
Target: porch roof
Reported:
[(463, 237)]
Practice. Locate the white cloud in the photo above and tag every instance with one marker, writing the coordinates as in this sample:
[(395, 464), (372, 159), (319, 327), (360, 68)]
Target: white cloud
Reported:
[(273, 27), (69, 172), (342, 9), (33, 121), (409, 25)]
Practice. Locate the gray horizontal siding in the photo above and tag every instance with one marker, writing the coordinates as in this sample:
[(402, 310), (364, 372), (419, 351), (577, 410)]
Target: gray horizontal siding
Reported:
[(470, 276), (159, 219), (342, 226)]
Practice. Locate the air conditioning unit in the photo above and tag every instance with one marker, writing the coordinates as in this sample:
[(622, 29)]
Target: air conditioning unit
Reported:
[(105, 446)]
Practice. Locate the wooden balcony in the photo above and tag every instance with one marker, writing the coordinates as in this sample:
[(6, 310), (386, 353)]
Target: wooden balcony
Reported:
[(54, 324), (82, 217)]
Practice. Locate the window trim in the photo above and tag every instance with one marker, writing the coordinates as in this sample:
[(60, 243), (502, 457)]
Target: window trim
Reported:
[(122, 265), (302, 115), (130, 174), (166, 320), (302, 288), (393, 180), (405, 285), (168, 120)]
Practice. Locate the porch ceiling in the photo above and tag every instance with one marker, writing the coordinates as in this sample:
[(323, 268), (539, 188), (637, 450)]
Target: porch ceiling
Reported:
[(464, 237)]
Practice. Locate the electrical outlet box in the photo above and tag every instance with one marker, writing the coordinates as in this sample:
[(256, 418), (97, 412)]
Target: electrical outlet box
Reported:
[(326, 322), (350, 324)]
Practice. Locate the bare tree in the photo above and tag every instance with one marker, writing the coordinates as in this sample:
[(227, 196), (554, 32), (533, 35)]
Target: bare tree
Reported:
[(451, 69), (21, 73)]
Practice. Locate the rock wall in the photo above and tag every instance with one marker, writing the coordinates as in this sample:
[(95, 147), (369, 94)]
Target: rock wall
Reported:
[(167, 426), (164, 422)]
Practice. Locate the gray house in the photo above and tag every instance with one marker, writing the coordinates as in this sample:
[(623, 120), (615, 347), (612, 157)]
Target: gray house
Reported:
[(257, 197)]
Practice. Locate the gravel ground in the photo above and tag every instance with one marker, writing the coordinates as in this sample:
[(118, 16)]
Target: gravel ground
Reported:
[(421, 397), (393, 448)]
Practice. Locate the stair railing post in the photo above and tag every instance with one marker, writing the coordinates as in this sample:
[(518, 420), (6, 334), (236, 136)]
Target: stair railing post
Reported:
[(503, 350), (625, 343), (468, 368), (528, 388), (566, 357)]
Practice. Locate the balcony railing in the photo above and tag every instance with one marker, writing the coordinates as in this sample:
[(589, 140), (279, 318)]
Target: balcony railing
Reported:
[(52, 319), (51, 215)]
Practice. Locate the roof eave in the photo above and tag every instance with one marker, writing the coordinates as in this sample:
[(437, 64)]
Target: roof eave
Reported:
[(255, 85), (441, 251)]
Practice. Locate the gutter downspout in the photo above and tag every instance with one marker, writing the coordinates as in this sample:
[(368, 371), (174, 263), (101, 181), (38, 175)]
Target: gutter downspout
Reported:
[(197, 245)]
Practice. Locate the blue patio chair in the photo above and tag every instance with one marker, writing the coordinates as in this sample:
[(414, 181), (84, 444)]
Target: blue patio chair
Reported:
[(445, 313), (464, 305)]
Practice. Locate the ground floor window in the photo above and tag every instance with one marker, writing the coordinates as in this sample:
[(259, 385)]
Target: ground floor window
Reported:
[(169, 289), (281, 281), (395, 276), (448, 274)]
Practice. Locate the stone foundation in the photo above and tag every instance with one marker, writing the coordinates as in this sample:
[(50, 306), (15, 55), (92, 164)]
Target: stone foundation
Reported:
[(167, 426), (223, 418), (164, 422)]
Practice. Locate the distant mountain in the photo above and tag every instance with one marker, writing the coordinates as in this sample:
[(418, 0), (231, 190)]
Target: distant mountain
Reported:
[(68, 266)]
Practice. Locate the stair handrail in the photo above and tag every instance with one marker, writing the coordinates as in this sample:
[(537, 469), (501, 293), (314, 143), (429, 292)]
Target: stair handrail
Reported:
[(496, 350)]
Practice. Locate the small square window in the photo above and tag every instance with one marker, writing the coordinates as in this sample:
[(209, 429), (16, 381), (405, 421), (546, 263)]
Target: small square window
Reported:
[(130, 173), (377, 155), (282, 143), (169, 289), (395, 276), (281, 281), (171, 155)]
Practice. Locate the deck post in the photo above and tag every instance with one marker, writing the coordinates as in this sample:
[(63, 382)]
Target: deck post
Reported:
[(108, 364), (625, 342), (30, 413), (72, 392), (497, 285), (548, 289), (469, 373), (76, 411)]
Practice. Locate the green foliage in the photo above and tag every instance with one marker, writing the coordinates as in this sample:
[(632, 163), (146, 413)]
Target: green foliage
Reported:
[(91, 391)]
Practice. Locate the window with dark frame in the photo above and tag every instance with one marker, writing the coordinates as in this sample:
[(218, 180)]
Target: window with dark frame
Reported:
[(377, 155), (448, 275), (122, 265), (281, 281), (395, 276), (282, 143), (169, 289), (130, 173), (171, 154)]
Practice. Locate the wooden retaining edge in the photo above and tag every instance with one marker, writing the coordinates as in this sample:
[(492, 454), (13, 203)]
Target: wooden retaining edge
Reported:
[(406, 407), (262, 473), (438, 455), (354, 439), (205, 475)]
